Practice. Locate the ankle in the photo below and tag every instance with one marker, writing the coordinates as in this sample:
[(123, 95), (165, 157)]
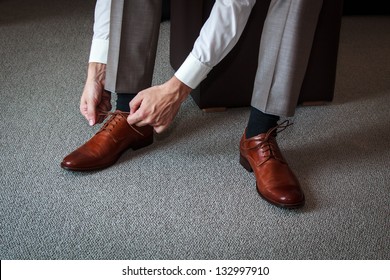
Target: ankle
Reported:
[(260, 122), (123, 100)]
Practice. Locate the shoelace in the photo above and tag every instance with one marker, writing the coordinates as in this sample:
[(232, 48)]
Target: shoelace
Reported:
[(113, 122), (267, 146), (278, 128)]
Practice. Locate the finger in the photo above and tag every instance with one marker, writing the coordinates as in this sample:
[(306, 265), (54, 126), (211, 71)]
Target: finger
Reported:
[(91, 113), (135, 103), (101, 115), (139, 119), (85, 113), (102, 110), (142, 123), (83, 107), (134, 118), (160, 128)]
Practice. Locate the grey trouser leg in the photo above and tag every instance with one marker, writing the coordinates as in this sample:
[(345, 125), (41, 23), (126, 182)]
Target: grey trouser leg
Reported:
[(285, 48), (134, 30)]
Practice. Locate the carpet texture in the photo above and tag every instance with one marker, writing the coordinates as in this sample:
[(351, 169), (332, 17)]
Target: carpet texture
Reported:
[(185, 196)]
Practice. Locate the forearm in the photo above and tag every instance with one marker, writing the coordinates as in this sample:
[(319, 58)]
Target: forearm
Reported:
[(96, 72)]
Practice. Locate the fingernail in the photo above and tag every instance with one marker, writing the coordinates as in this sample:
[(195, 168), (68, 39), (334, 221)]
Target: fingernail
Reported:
[(90, 122)]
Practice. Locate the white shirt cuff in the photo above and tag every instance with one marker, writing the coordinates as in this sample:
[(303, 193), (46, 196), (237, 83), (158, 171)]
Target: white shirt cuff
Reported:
[(99, 51), (192, 71)]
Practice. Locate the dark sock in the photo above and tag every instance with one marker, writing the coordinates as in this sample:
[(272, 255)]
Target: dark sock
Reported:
[(260, 122), (123, 100)]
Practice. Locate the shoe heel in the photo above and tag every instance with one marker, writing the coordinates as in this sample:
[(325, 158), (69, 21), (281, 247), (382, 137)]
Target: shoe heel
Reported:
[(244, 162), (143, 143)]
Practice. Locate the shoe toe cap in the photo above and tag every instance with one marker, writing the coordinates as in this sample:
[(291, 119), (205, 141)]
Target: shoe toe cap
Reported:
[(69, 163), (285, 196), (75, 161)]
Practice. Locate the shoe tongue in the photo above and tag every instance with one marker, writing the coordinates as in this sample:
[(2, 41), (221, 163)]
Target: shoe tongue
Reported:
[(254, 143), (113, 121), (259, 140)]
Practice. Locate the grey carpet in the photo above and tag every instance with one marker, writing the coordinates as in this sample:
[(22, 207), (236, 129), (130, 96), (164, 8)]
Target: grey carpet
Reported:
[(186, 196)]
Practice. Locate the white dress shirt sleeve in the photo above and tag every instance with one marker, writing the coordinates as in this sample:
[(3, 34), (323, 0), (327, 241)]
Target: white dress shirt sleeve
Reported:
[(101, 32), (217, 37)]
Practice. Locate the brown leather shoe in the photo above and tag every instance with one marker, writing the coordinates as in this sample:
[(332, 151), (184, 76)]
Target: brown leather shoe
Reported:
[(275, 181), (107, 145)]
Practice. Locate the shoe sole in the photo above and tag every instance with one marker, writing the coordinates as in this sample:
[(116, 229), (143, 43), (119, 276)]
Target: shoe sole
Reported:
[(245, 163), (106, 165)]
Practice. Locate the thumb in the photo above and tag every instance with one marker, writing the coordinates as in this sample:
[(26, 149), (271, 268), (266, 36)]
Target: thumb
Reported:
[(91, 113), (160, 128), (135, 110), (134, 118)]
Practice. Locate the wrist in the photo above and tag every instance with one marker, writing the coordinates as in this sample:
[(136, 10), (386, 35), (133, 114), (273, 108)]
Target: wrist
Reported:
[(181, 88), (96, 72)]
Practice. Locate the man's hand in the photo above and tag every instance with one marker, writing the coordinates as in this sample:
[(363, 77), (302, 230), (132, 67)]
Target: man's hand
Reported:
[(95, 99), (157, 106)]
